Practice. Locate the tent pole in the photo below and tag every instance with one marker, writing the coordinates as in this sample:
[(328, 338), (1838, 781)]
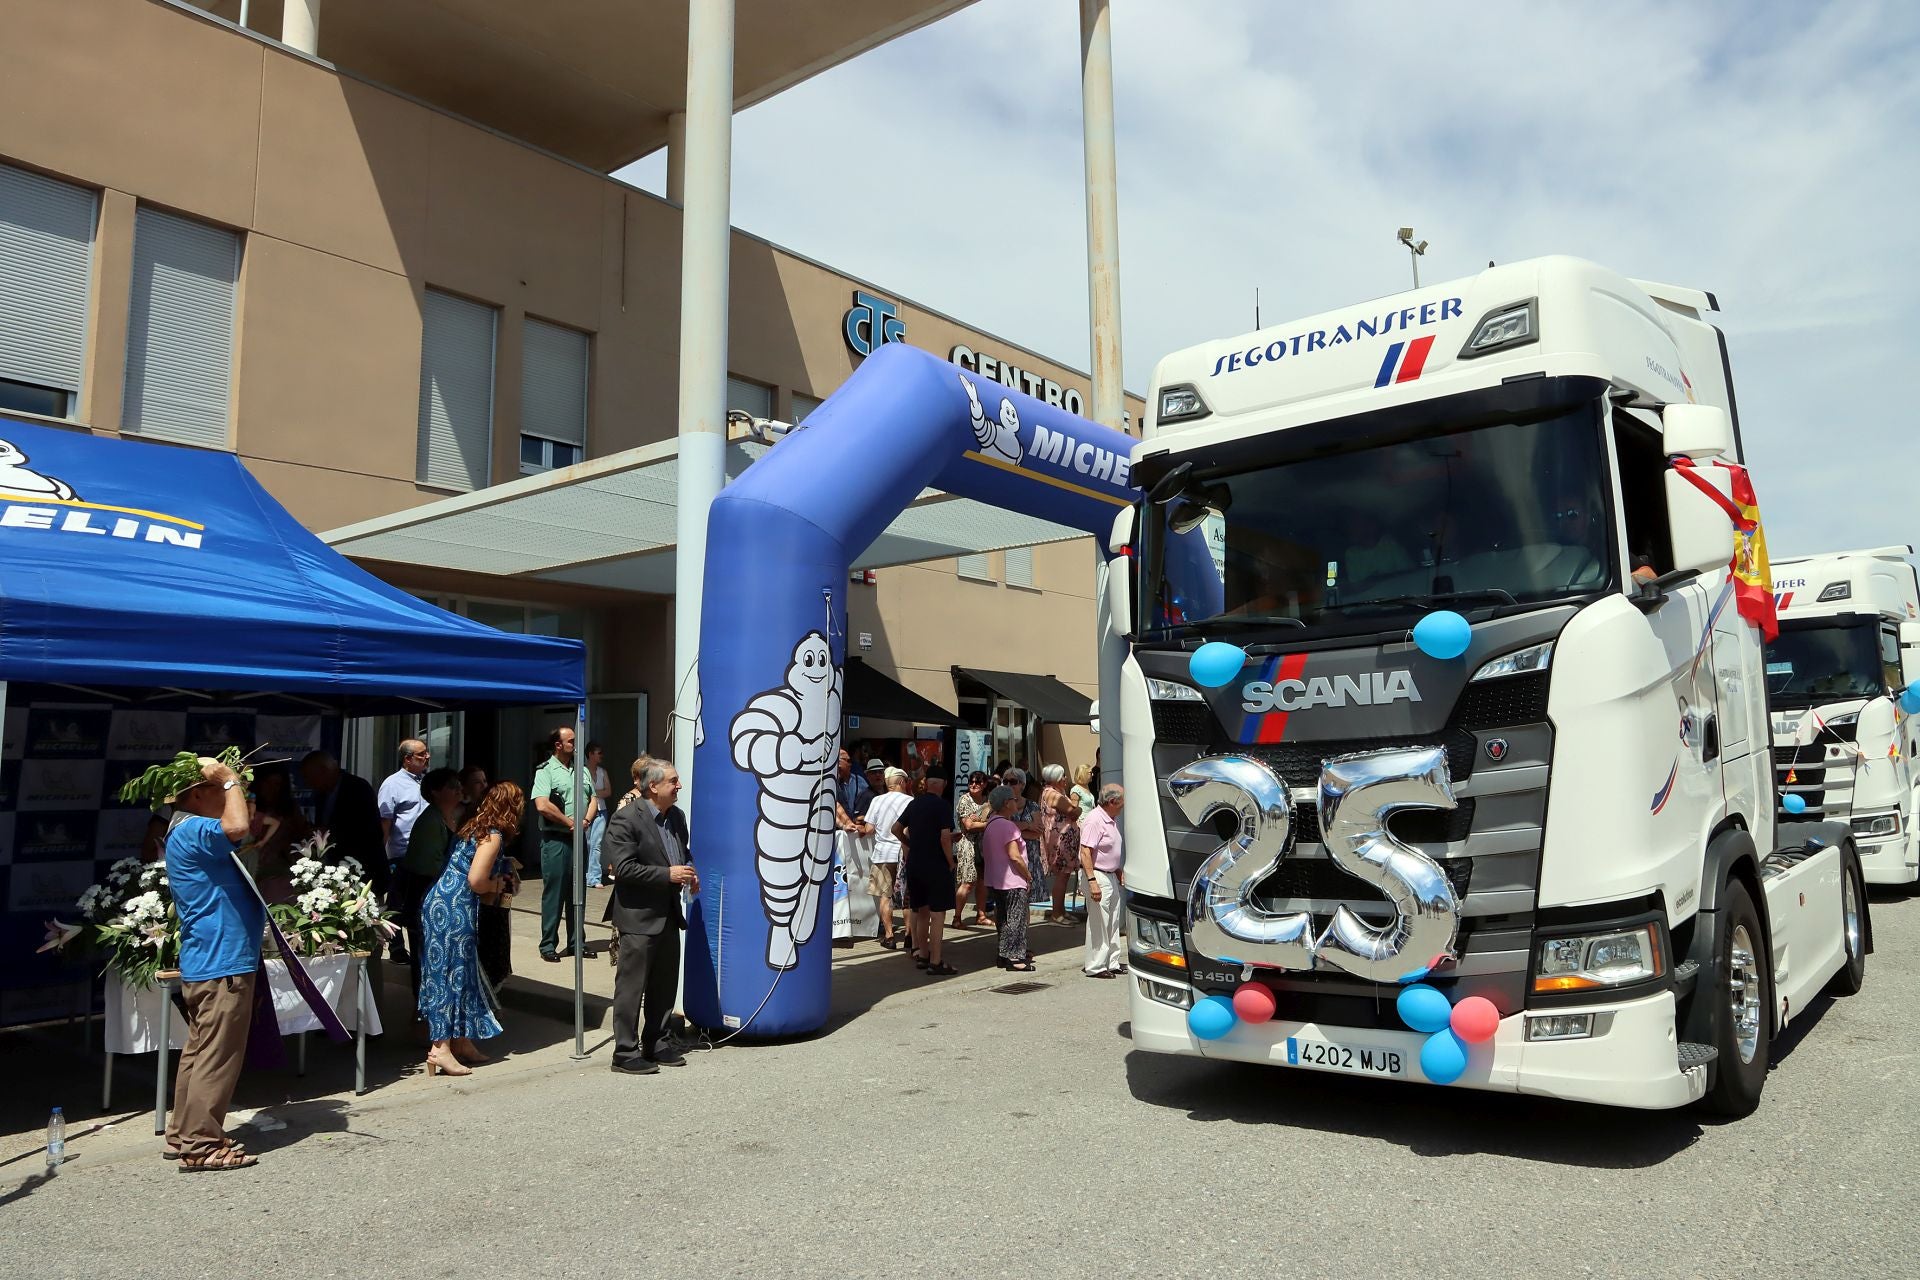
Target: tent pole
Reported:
[(579, 883)]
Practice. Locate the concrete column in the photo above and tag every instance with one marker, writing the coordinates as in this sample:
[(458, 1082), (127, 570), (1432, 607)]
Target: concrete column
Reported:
[(704, 282), (677, 157), (300, 26), (1103, 298)]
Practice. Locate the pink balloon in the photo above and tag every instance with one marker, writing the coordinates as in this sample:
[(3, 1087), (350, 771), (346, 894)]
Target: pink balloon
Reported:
[(1254, 1002), (1475, 1019)]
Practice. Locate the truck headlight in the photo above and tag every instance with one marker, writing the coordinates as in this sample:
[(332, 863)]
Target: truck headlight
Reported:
[(1158, 940), (1181, 404), (1518, 663), (1881, 824), (1510, 326), (1172, 691), (1589, 962)]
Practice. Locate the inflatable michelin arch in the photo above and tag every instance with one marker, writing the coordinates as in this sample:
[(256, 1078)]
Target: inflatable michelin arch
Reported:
[(780, 542)]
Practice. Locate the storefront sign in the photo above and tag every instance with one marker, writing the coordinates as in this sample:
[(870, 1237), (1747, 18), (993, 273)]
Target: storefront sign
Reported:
[(872, 322)]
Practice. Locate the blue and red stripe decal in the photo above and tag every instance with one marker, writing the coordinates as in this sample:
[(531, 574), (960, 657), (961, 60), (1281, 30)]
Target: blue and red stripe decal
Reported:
[(1271, 726), (1394, 369), (1665, 793)]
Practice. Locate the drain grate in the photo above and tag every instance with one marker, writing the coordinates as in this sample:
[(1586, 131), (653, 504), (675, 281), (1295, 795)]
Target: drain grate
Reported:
[(1021, 988)]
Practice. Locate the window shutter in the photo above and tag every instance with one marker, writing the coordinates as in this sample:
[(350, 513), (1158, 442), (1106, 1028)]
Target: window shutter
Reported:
[(749, 397), (180, 330), (456, 392), (803, 406), (553, 383), (1020, 566), (46, 265), (975, 566)]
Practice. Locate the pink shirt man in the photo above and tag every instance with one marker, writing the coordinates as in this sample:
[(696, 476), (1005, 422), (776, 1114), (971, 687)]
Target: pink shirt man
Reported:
[(1100, 835)]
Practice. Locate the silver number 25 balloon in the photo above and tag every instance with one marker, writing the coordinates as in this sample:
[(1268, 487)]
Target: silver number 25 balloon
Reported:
[(1358, 794)]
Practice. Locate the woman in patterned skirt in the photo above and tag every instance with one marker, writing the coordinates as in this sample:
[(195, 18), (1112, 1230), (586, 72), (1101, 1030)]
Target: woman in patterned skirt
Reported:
[(454, 997), (969, 820), (1009, 871)]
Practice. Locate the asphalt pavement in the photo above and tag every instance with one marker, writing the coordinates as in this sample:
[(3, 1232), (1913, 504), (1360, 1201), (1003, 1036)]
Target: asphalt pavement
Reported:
[(943, 1128)]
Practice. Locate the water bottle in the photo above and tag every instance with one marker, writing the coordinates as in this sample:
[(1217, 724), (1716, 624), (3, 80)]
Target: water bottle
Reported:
[(56, 1139)]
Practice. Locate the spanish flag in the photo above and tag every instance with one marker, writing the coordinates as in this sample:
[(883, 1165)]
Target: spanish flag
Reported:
[(1752, 578)]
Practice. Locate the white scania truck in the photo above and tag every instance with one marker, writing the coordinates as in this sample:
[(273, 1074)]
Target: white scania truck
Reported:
[(1573, 818), (1849, 643)]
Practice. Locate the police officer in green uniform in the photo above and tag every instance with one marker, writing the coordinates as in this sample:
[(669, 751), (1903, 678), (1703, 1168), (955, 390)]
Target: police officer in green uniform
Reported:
[(553, 796)]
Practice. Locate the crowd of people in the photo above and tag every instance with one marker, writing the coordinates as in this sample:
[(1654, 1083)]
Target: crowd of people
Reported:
[(437, 843), (985, 851)]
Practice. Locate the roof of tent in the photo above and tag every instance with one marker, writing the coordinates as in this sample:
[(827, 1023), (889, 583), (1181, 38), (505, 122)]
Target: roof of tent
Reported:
[(138, 565)]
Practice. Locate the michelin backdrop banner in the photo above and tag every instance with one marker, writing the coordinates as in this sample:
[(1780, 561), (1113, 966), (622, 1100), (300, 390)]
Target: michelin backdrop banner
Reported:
[(780, 541), (62, 764)]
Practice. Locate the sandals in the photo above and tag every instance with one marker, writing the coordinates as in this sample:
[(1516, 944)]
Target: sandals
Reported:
[(890, 942), (173, 1153), (219, 1162), (941, 970), (1025, 966)]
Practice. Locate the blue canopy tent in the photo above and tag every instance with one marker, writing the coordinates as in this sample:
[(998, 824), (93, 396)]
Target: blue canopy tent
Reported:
[(148, 566), (155, 576)]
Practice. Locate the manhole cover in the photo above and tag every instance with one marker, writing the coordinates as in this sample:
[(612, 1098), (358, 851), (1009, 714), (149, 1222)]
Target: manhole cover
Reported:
[(1021, 988)]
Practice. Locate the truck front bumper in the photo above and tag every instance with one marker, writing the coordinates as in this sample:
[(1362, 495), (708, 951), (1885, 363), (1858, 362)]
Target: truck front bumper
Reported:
[(1631, 1060), (1891, 859)]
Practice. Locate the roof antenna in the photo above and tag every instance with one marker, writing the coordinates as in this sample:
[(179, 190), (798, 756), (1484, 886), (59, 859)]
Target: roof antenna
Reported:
[(1256, 306)]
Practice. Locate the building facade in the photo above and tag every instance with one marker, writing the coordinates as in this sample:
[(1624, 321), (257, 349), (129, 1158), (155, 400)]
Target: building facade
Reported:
[(213, 239)]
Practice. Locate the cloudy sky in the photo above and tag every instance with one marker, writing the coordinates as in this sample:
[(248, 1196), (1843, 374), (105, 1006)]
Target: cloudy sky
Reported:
[(1764, 151)]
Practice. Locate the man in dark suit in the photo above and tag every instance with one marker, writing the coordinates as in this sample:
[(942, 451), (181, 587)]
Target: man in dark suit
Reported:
[(650, 868)]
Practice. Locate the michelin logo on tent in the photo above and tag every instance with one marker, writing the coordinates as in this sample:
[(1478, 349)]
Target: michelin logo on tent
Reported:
[(28, 498)]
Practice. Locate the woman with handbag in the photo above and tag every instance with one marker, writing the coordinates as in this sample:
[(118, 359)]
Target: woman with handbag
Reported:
[(454, 997)]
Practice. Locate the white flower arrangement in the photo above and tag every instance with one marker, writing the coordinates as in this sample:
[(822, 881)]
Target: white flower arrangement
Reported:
[(334, 907), (129, 916)]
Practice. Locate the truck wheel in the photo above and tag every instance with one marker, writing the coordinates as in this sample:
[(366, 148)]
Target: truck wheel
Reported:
[(1742, 1009), (1853, 926)]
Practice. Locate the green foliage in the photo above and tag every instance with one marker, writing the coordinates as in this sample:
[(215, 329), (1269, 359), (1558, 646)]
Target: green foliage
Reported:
[(160, 784)]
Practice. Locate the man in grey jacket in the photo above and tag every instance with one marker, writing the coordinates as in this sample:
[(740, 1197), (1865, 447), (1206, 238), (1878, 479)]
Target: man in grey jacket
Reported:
[(650, 868)]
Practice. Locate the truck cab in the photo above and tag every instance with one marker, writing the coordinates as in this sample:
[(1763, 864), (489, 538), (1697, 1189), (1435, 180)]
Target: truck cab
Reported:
[(1567, 810), (1843, 750)]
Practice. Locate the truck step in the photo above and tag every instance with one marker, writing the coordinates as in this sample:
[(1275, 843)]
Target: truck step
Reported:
[(1684, 974), (1696, 1055)]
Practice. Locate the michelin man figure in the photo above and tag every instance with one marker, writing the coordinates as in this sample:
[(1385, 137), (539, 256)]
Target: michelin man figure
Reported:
[(996, 437), (17, 481), (789, 738)]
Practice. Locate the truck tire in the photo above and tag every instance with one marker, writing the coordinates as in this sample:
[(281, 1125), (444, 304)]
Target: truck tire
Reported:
[(1853, 926), (1741, 1012)]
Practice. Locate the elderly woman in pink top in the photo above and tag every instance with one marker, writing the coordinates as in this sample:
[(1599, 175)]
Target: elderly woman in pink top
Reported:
[(1101, 860), (1008, 870)]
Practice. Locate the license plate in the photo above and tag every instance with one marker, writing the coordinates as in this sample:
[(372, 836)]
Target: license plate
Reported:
[(1324, 1055)]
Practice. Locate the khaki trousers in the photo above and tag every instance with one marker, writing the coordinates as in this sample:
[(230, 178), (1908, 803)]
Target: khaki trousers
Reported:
[(218, 1015)]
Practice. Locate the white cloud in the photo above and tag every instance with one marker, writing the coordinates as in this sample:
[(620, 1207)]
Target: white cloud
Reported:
[(1765, 152)]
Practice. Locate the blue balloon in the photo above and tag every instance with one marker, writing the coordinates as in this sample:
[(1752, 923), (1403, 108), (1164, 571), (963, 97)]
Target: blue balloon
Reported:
[(1442, 634), (1443, 1058), (1216, 662), (1424, 1008), (1910, 699), (1793, 803), (1211, 1018)]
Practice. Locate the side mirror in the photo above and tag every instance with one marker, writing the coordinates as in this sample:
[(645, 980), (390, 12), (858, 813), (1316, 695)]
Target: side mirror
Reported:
[(1702, 535), (1700, 431), (1122, 535), (1120, 596)]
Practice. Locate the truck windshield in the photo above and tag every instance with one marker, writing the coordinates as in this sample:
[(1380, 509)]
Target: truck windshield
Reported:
[(1825, 660), (1494, 516)]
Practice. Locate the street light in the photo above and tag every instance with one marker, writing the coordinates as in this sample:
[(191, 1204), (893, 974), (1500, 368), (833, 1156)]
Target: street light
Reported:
[(1417, 248)]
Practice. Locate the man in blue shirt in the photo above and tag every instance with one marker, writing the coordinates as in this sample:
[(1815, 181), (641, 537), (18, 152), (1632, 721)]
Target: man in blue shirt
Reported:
[(220, 924)]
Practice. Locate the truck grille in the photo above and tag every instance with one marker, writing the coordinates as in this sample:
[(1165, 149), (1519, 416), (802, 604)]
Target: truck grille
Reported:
[(1503, 703), (1298, 763), (1319, 879), (1182, 721)]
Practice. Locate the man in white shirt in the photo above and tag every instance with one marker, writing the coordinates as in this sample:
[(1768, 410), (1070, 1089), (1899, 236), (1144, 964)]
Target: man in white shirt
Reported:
[(401, 805)]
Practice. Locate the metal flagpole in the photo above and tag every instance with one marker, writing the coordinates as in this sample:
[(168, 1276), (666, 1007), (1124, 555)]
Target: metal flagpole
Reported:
[(579, 883)]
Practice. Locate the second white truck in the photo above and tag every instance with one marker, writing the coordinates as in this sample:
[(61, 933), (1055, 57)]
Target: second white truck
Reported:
[(1849, 643)]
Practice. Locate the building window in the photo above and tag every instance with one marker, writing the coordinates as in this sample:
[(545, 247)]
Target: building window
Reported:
[(1020, 566), (456, 392), (749, 398), (803, 405), (553, 396), (180, 330), (46, 270), (976, 566)]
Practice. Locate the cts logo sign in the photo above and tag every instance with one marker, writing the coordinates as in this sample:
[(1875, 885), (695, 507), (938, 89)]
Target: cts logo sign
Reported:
[(873, 322), (1369, 689)]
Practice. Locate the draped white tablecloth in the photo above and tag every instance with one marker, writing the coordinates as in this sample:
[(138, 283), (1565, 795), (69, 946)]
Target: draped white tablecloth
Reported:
[(133, 1016)]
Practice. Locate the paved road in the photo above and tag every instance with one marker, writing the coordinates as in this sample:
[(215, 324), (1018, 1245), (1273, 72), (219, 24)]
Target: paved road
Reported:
[(950, 1130)]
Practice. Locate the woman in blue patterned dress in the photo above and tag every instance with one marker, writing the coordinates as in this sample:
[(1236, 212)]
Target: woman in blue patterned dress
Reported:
[(454, 998)]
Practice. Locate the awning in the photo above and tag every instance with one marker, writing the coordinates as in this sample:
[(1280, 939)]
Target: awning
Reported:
[(1050, 699), (133, 565), (873, 693), (611, 522)]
